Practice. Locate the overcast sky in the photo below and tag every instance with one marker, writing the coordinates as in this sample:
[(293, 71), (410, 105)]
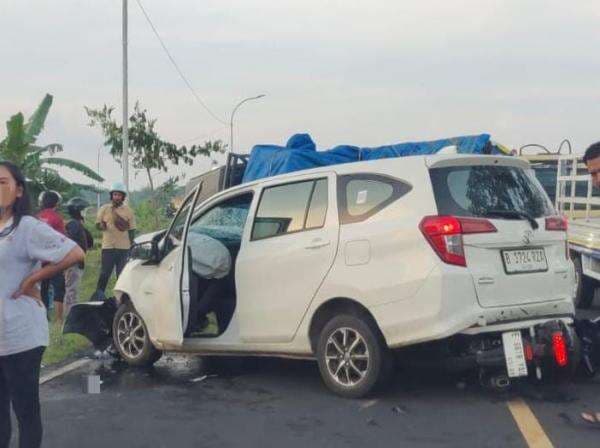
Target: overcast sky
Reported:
[(366, 72)]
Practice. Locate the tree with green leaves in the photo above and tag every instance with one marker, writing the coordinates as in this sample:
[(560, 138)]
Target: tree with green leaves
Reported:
[(148, 151), (39, 163)]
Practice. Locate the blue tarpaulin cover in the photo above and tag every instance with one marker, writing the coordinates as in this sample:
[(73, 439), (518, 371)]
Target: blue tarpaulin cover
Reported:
[(300, 153)]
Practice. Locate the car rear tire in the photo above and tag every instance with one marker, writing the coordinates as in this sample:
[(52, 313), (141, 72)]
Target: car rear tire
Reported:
[(353, 357), (130, 338), (585, 289)]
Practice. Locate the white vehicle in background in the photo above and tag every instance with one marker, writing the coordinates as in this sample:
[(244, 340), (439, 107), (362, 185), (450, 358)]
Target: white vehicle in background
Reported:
[(565, 179), (349, 263), (580, 203)]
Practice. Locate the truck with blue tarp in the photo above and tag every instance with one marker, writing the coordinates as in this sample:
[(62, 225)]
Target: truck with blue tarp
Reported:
[(300, 153)]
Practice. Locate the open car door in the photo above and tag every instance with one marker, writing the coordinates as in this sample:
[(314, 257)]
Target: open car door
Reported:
[(171, 291), (162, 296)]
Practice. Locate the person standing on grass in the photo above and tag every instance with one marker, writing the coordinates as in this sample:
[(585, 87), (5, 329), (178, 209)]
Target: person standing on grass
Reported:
[(117, 223), (49, 202), (25, 244), (78, 233)]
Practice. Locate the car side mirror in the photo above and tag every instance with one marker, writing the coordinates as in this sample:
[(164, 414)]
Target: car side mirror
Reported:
[(146, 251)]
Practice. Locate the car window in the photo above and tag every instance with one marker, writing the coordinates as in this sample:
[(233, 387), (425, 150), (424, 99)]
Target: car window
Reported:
[(318, 206), (226, 220), (547, 173), (547, 176), (174, 237), (363, 195), (360, 196), (484, 189), (285, 208)]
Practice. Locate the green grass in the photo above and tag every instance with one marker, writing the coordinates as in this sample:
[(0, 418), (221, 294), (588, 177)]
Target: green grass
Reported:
[(62, 346)]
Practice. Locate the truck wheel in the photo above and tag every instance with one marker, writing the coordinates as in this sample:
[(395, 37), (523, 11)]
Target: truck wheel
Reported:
[(353, 358), (131, 339), (585, 287)]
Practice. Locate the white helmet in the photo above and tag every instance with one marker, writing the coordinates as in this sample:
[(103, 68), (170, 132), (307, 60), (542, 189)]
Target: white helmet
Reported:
[(118, 187)]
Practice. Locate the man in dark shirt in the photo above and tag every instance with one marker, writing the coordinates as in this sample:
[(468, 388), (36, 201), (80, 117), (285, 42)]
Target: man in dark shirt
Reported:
[(76, 231)]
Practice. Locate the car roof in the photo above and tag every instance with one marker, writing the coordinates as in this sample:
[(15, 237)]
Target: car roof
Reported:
[(407, 163)]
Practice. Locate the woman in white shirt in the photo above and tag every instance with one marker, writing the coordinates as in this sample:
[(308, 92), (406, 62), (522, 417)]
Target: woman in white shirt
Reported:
[(25, 243)]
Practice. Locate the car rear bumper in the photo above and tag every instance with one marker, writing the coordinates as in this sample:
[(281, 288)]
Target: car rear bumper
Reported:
[(486, 351), (447, 305)]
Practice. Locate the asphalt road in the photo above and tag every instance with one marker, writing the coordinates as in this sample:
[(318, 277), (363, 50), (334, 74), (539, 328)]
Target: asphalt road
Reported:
[(275, 403), (283, 403)]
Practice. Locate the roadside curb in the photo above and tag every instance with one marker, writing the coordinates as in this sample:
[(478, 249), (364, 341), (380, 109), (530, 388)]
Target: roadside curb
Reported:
[(65, 369)]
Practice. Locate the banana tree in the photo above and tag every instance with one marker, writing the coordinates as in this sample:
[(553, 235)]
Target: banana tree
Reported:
[(39, 163)]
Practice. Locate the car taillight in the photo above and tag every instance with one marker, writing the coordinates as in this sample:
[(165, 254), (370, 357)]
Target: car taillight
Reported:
[(528, 352), (559, 349), (445, 235), (557, 223)]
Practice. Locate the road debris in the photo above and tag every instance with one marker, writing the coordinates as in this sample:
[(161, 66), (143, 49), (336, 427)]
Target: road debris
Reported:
[(202, 378), (372, 422), (91, 384), (401, 410), (368, 404)]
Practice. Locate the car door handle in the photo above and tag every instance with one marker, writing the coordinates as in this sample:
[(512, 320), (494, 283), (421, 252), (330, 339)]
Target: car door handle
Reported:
[(317, 244)]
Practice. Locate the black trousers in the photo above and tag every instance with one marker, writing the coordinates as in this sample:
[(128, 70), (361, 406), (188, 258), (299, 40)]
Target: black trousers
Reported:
[(112, 259), (218, 297), (19, 385), (57, 283)]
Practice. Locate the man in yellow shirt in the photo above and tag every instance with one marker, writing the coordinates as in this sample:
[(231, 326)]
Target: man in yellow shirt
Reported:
[(116, 220)]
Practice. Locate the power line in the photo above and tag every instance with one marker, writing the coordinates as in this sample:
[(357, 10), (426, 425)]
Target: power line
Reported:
[(182, 76), (206, 135)]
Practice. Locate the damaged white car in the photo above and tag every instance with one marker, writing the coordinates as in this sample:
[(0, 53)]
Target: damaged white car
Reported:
[(462, 256)]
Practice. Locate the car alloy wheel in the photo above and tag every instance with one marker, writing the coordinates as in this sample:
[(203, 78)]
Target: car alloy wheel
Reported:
[(347, 357), (131, 335)]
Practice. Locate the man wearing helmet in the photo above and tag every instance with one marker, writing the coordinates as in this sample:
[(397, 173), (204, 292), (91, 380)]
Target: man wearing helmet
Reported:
[(117, 223)]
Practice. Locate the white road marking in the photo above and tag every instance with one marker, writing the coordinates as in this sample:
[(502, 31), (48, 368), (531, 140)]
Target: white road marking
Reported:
[(65, 369)]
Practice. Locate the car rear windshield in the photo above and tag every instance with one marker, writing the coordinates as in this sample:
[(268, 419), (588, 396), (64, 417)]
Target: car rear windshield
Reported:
[(489, 190)]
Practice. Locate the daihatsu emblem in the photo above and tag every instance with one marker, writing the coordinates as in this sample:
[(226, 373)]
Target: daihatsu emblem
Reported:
[(527, 236)]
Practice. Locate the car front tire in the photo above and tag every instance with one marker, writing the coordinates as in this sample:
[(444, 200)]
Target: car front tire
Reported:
[(130, 338), (353, 357)]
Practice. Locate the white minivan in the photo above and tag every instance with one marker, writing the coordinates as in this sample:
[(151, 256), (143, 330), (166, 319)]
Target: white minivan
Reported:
[(347, 264)]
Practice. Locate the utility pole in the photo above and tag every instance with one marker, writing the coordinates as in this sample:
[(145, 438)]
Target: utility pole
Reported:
[(98, 183), (125, 156)]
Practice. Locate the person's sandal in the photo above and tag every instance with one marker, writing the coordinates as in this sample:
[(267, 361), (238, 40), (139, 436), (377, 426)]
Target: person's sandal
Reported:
[(593, 419)]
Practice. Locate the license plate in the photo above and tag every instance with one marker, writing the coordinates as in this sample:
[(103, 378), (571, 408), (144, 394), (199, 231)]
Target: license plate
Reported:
[(514, 354), (524, 260)]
